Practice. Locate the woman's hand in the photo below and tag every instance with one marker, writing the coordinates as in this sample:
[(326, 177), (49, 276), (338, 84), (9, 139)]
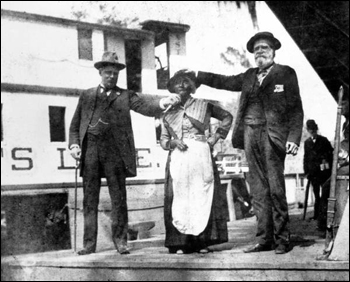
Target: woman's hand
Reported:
[(213, 139), (177, 143)]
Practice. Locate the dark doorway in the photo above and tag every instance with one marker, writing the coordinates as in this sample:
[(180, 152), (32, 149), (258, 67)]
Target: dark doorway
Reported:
[(34, 223)]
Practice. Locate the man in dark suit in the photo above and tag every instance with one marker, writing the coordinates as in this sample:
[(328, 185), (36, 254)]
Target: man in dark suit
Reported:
[(101, 136), (268, 126), (317, 161)]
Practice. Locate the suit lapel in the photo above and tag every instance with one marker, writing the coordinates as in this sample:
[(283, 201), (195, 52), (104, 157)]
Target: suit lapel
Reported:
[(248, 88), (92, 101), (312, 143), (251, 80), (114, 95)]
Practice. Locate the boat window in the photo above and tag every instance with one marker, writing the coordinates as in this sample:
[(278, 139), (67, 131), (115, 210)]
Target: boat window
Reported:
[(85, 44), (57, 124), (161, 56)]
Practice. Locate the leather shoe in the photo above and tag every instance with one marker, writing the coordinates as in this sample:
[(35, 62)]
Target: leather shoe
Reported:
[(204, 251), (281, 249), (123, 250), (84, 252), (172, 250), (258, 248)]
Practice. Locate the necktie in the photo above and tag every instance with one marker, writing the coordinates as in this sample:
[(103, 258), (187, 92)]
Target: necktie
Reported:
[(261, 75)]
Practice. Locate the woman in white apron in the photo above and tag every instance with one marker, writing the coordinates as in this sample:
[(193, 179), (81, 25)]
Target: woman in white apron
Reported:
[(195, 207)]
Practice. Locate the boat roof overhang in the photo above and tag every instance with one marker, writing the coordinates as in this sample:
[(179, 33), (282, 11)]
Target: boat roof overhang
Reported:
[(321, 31), (162, 29)]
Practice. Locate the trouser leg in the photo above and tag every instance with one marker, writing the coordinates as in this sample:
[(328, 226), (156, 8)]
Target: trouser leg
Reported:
[(259, 186), (114, 171), (316, 188), (91, 186), (274, 163), (119, 214), (266, 178)]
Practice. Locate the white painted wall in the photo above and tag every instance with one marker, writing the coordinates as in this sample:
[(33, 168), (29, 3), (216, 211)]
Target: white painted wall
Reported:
[(214, 27), (33, 53), (37, 54), (47, 54), (26, 125)]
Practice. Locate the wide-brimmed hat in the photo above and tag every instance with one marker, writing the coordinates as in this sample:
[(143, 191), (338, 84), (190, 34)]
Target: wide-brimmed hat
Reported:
[(263, 35), (311, 124), (109, 59), (190, 75)]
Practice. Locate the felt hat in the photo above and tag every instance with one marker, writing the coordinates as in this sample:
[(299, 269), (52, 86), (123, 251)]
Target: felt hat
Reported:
[(276, 44), (109, 59)]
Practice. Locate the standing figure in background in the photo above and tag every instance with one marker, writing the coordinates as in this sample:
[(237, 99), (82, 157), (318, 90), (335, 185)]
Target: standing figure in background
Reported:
[(195, 208), (268, 126), (317, 161), (101, 137)]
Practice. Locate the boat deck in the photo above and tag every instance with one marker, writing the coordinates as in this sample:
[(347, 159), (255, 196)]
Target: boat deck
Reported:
[(149, 260)]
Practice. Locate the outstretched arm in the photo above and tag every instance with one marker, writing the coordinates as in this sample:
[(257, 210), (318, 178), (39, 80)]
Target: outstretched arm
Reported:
[(151, 105), (231, 83)]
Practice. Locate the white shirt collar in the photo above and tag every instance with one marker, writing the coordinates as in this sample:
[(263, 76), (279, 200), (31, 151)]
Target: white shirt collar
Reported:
[(102, 89)]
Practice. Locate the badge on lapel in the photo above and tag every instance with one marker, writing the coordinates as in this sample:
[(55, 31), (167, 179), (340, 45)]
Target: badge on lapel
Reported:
[(279, 88)]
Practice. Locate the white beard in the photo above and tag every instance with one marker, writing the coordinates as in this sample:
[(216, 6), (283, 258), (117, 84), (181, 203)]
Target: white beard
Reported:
[(262, 62)]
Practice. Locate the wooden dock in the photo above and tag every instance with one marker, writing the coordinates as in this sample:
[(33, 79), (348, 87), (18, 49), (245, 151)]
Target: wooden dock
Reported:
[(150, 261)]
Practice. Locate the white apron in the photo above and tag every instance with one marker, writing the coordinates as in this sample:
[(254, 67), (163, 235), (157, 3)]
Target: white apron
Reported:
[(193, 187)]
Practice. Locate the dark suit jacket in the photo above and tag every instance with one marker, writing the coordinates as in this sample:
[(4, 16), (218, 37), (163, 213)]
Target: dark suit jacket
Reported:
[(120, 121), (315, 152), (280, 98)]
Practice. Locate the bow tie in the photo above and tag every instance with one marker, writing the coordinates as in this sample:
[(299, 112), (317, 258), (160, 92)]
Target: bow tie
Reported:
[(109, 91)]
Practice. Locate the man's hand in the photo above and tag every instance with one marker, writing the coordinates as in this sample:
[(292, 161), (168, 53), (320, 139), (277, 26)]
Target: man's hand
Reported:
[(213, 139), (177, 143), (171, 100), (75, 152), (187, 71), (292, 148)]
